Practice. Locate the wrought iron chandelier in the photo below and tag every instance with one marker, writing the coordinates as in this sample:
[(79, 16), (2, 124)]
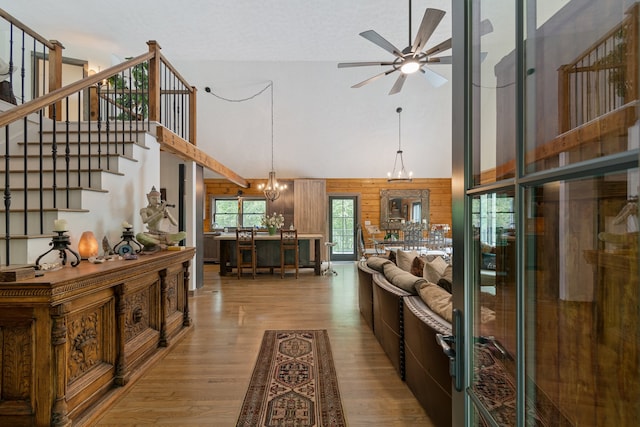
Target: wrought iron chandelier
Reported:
[(272, 188), (399, 174)]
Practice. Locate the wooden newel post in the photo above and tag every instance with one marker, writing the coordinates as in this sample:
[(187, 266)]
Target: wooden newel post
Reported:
[(55, 76), (154, 81)]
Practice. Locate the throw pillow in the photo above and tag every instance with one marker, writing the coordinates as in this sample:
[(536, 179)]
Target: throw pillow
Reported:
[(434, 270), (446, 281), (417, 266), (437, 299), (392, 257), (405, 259)]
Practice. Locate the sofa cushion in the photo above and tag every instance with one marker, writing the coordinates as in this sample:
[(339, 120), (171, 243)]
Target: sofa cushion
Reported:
[(404, 259), (437, 299), (434, 270), (377, 263), (402, 279)]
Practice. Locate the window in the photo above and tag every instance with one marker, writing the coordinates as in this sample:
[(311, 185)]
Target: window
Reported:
[(234, 212), (493, 215)]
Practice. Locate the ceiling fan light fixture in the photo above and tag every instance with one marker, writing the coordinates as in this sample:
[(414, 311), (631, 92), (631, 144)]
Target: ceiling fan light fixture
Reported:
[(409, 66)]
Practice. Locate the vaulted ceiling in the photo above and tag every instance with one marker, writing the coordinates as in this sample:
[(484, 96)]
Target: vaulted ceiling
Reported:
[(294, 43)]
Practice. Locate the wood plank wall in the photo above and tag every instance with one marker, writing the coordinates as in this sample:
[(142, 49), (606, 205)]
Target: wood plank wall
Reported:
[(367, 188)]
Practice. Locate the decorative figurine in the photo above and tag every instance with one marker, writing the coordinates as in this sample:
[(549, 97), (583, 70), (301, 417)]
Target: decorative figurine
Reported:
[(153, 215)]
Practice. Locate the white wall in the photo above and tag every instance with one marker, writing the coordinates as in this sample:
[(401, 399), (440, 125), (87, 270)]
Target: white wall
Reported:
[(322, 127)]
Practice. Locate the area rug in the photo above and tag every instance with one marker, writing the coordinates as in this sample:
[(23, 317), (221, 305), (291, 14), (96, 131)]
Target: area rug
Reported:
[(293, 383)]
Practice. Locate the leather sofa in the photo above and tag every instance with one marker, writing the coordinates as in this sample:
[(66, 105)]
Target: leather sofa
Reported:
[(406, 328)]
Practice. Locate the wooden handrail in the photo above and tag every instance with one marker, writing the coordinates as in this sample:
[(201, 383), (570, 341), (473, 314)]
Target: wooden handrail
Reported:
[(57, 95), (50, 44)]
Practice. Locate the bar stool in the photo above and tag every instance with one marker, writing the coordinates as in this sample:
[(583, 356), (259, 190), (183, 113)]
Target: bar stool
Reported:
[(288, 242), (329, 271), (245, 242)]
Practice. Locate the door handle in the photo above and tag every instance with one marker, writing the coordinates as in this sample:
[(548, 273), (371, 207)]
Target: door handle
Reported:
[(452, 348), (445, 342), (491, 340)]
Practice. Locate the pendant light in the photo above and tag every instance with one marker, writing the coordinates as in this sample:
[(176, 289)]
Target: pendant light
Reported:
[(272, 188), (399, 174)]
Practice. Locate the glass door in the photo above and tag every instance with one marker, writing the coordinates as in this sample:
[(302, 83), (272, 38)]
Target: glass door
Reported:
[(342, 227), (545, 214)]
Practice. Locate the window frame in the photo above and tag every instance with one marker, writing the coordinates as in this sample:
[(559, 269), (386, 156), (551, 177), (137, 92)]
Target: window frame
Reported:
[(239, 214)]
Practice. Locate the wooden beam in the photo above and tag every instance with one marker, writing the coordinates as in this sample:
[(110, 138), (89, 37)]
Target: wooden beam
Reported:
[(172, 143)]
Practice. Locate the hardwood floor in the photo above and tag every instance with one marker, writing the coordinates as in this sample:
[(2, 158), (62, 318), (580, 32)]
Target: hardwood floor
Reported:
[(202, 381)]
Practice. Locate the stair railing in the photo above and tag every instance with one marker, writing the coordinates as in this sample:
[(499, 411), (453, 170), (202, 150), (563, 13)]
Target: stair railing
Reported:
[(603, 78), (34, 63), (108, 108)]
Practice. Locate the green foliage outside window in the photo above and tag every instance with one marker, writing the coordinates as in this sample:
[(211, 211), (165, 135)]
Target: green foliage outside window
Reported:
[(342, 225), (229, 213), (493, 214)]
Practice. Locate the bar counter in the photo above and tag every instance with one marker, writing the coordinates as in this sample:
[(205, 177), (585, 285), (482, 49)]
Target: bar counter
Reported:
[(268, 249)]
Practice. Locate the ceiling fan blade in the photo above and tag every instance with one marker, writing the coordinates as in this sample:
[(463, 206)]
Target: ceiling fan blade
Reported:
[(376, 38), (397, 87), (361, 64), (434, 78), (376, 77), (430, 21), (485, 27), (449, 59), (441, 60), (439, 48)]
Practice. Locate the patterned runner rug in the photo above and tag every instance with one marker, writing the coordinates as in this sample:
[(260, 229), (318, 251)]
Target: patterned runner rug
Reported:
[(294, 382)]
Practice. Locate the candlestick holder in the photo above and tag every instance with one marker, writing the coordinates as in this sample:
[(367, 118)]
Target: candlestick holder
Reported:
[(61, 243), (126, 245)]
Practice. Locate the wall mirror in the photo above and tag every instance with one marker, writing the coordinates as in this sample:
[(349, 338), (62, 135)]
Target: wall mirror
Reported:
[(407, 205)]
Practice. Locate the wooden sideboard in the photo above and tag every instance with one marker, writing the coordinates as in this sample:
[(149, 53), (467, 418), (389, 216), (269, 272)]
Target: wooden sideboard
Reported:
[(73, 339)]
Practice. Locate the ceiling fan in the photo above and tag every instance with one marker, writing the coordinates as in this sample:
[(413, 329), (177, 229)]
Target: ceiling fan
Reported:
[(412, 58)]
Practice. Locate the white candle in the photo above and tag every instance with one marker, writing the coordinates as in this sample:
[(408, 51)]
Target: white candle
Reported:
[(125, 224), (60, 225)]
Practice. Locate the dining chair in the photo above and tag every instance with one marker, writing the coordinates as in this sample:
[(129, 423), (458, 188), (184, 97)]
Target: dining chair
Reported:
[(288, 243)]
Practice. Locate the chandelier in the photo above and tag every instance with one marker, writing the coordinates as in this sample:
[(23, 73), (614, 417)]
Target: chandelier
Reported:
[(272, 188), (399, 174)]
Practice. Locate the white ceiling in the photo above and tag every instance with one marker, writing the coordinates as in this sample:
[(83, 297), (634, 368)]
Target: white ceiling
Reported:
[(205, 38), (232, 30)]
